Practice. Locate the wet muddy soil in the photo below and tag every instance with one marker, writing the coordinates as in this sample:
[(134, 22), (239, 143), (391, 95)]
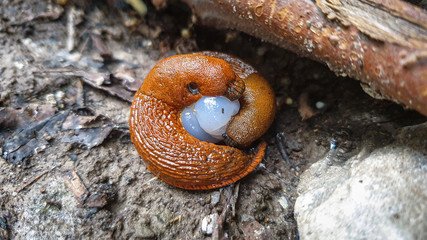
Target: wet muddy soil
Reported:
[(68, 169)]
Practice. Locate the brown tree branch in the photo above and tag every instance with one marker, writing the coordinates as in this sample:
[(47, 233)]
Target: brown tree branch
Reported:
[(382, 43)]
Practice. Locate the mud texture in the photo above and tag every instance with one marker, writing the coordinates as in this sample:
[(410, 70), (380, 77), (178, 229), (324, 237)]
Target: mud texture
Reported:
[(68, 169)]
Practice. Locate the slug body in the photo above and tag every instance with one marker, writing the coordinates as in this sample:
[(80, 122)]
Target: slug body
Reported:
[(169, 151), (257, 104)]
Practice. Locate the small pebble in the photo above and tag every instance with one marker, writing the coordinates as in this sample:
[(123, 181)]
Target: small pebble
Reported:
[(320, 104), (99, 80), (131, 21), (185, 33), (59, 95), (193, 19), (208, 223), (215, 198), (50, 98), (333, 145), (147, 43), (19, 65), (283, 202)]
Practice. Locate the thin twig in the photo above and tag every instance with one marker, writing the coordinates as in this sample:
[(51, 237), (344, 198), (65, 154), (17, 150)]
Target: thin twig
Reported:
[(233, 194), (281, 144), (35, 179), (70, 29), (147, 182)]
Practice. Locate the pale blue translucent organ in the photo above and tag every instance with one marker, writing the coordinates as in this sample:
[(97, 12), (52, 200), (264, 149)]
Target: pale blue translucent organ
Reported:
[(190, 123), (208, 118)]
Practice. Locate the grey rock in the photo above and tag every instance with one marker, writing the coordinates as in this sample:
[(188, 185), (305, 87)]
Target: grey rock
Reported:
[(379, 194)]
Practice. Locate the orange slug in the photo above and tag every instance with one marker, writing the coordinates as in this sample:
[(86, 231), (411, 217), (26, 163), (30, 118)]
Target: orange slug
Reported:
[(257, 105), (169, 151)]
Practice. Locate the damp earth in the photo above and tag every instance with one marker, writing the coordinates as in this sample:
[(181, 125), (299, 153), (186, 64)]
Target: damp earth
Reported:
[(68, 169)]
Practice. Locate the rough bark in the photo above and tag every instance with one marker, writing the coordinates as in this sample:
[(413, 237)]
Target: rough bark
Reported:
[(382, 43)]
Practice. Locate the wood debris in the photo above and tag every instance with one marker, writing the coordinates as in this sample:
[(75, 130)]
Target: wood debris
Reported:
[(371, 42), (32, 139), (233, 195), (90, 131), (73, 182), (97, 198)]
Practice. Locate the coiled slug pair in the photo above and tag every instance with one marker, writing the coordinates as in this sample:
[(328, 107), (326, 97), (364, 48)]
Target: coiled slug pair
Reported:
[(178, 82)]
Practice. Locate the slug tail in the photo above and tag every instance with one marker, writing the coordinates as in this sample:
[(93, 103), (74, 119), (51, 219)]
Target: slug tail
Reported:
[(258, 156), (256, 160)]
